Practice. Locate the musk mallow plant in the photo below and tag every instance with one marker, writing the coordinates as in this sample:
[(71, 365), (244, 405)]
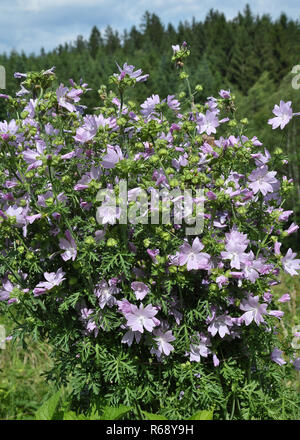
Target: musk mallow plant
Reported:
[(141, 313)]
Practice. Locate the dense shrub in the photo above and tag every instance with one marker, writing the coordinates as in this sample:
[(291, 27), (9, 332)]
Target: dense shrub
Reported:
[(141, 310)]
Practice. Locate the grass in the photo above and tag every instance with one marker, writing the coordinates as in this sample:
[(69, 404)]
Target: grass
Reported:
[(23, 388)]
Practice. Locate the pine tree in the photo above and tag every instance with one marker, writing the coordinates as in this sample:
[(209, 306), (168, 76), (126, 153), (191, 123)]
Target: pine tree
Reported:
[(95, 42)]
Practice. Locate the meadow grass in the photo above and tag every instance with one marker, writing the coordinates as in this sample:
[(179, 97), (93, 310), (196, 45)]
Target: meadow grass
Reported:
[(22, 385), (23, 388)]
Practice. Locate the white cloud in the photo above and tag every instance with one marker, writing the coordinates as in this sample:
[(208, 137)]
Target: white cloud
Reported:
[(32, 24)]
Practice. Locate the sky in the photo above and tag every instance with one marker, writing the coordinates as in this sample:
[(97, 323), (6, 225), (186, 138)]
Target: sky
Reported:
[(28, 25)]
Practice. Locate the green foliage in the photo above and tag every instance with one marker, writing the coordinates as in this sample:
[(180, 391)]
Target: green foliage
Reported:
[(48, 410)]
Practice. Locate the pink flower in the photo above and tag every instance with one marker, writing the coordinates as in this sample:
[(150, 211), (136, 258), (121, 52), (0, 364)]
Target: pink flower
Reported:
[(105, 293), (7, 290), (236, 244), (163, 342), (207, 123), (113, 156), (192, 256), (33, 158), (140, 289), (153, 254), (262, 180), (69, 245), (290, 264), (276, 356), (284, 298), (254, 310), (130, 336), (176, 48), (199, 348), (219, 324), (52, 279), (283, 114), (129, 70), (148, 106), (277, 313), (140, 318), (224, 94), (293, 228)]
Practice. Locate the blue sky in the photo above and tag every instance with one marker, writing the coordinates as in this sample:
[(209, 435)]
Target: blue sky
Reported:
[(31, 24)]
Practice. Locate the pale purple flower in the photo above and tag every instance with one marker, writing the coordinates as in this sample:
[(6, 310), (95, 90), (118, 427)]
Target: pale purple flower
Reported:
[(130, 336), (200, 347), (277, 313), (176, 48), (34, 158), (296, 364), (20, 75), (30, 107), (216, 360), (22, 92), (262, 180), (52, 279), (222, 281), (277, 246), (129, 70), (267, 297), (163, 341), (293, 228), (89, 323), (108, 213), (260, 159), (32, 218), (63, 99), (192, 256), (284, 216), (153, 254), (225, 94), (87, 178), (140, 289), (88, 130), (49, 71), (148, 106), (276, 356), (219, 324), (140, 318), (18, 212), (207, 123), (112, 157), (6, 290), (284, 298), (235, 244), (290, 264), (105, 293), (9, 128), (68, 244), (254, 311), (283, 114), (125, 307), (172, 103)]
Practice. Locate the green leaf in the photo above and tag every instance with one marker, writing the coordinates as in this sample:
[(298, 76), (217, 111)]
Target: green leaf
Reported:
[(111, 413), (151, 416), (71, 415), (202, 415), (48, 409)]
